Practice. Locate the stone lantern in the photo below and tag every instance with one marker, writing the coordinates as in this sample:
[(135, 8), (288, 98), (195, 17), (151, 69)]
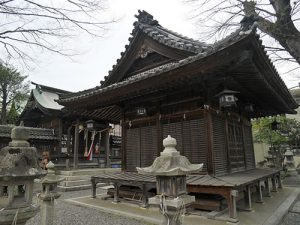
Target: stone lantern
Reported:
[(49, 194), (171, 169), (289, 160), (18, 169)]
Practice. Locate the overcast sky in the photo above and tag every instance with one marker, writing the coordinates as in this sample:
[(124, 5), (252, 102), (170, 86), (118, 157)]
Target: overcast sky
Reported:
[(98, 55)]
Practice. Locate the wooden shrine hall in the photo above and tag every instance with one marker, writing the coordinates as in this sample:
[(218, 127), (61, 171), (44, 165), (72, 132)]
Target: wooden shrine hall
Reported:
[(204, 95)]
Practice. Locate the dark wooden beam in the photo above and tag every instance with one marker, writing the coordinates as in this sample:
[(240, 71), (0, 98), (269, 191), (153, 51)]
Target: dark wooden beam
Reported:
[(209, 139)]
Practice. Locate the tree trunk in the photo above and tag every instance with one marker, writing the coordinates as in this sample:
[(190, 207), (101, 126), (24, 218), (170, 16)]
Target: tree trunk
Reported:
[(283, 30), (292, 45)]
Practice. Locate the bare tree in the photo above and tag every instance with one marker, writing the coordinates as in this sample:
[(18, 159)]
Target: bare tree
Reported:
[(27, 25), (279, 19)]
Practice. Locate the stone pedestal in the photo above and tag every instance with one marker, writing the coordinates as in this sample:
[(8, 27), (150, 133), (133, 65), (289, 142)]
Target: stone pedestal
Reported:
[(172, 208)]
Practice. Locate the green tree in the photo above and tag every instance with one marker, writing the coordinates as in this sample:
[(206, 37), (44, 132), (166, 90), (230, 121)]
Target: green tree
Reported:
[(287, 132), (13, 89)]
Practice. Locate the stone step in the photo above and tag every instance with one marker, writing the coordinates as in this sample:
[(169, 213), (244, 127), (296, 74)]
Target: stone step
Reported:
[(90, 172), (78, 188), (74, 183)]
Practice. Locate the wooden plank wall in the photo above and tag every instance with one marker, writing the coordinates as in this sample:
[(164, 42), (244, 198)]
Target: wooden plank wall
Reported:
[(231, 141)]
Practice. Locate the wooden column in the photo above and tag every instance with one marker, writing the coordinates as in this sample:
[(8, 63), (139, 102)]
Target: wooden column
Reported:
[(159, 134), (209, 139), (244, 145), (227, 145), (69, 139), (124, 138), (107, 148), (60, 133), (76, 145)]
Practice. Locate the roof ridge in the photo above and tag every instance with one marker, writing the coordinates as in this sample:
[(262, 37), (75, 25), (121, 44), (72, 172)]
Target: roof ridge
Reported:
[(149, 26)]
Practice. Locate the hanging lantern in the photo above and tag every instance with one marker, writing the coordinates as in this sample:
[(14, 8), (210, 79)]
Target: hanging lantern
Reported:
[(141, 111), (227, 98), (90, 124)]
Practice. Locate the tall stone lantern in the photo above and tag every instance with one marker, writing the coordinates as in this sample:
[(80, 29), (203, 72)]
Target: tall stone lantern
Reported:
[(18, 169), (171, 169), (289, 160)]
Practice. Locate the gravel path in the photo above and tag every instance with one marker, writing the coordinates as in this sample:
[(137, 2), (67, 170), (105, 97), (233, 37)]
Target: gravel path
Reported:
[(293, 217), (69, 214)]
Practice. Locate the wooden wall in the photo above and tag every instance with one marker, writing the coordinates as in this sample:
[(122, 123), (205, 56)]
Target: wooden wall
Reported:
[(222, 143)]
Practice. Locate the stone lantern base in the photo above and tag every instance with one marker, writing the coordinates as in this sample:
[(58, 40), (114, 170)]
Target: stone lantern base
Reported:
[(20, 215), (171, 207)]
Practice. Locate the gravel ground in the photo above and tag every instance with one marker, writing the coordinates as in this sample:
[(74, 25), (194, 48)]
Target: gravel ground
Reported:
[(69, 214), (292, 219)]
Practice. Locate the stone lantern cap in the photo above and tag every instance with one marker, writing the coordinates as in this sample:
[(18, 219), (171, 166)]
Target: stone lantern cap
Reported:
[(18, 159), (51, 178), (288, 153), (170, 162)]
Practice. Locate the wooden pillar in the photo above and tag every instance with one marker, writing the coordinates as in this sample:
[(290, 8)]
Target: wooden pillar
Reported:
[(107, 148), (247, 198), (159, 134), (244, 145), (69, 139), (259, 195), (209, 139), (76, 145), (227, 145), (124, 139), (60, 133)]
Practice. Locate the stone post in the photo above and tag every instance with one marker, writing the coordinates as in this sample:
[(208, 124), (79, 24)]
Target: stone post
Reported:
[(18, 168), (48, 195), (171, 169)]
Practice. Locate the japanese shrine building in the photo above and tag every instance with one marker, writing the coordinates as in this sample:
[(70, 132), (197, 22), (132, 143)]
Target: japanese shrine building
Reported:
[(167, 84), (173, 82)]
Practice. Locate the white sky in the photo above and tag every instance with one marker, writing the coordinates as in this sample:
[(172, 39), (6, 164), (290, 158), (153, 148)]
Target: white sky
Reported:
[(99, 55), (86, 71)]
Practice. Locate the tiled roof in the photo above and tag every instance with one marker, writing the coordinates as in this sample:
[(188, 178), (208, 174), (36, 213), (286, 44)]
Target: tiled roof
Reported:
[(232, 38), (145, 20), (147, 25), (35, 133)]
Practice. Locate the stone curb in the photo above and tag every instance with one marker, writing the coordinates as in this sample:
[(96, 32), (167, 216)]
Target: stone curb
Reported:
[(279, 214)]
